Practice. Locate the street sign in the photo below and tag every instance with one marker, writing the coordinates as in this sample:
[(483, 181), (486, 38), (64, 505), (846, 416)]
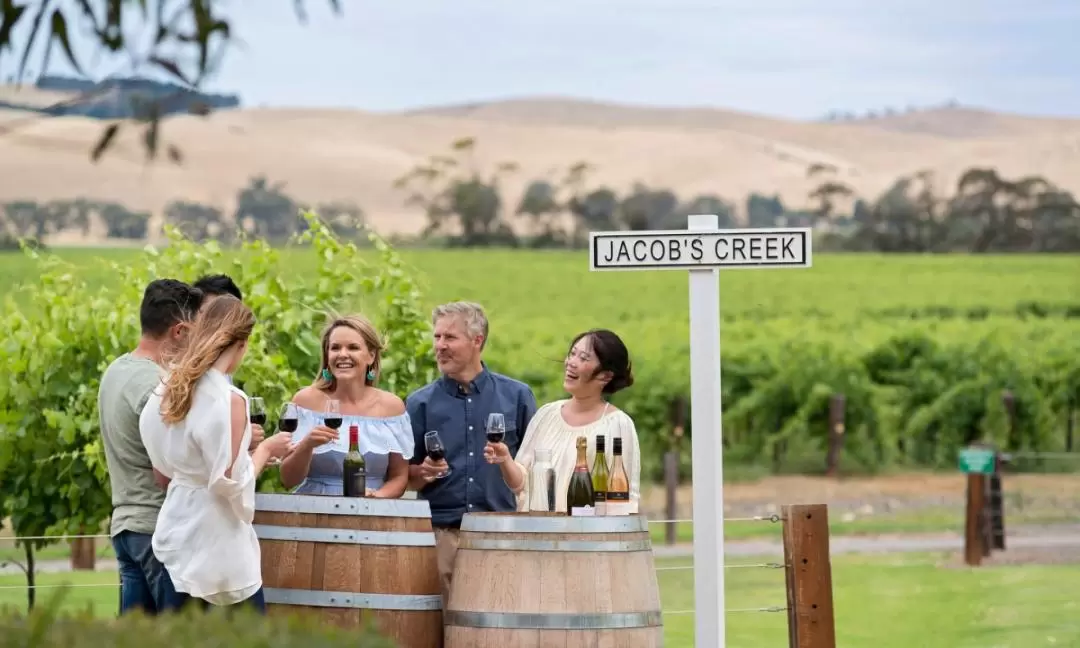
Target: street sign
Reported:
[(704, 249), (686, 250), (977, 460)]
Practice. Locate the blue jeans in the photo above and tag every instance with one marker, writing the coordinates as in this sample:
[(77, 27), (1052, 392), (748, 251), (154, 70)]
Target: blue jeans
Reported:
[(144, 583)]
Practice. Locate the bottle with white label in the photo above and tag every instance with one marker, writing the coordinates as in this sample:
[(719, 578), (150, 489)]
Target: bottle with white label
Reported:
[(618, 485), (579, 494)]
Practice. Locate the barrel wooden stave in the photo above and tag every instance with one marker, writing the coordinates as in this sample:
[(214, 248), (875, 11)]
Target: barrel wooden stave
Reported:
[(554, 583), (355, 568)]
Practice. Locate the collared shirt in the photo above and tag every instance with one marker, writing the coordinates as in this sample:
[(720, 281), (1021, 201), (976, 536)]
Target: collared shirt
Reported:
[(459, 414)]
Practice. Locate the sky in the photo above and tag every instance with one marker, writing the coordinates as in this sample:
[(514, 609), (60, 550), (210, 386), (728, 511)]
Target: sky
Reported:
[(799, 59)]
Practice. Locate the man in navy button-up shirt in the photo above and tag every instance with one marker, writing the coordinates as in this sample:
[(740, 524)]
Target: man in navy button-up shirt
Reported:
[(457, 406)]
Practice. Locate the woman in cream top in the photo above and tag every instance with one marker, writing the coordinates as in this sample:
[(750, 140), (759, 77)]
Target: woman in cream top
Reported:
[(597, 365), (196, 431)]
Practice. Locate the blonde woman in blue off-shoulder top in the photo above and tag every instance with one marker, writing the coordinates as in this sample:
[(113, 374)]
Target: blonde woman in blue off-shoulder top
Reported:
[(348, 373)]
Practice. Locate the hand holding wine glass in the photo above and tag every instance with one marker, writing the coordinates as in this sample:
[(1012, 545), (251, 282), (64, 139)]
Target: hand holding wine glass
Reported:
[(496, 452), (436, 456), (258, 420), (288, 421), (327, 432)]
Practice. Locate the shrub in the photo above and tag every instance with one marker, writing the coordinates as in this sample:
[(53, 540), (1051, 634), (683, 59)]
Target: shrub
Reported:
[(45, 627), (53, 477)]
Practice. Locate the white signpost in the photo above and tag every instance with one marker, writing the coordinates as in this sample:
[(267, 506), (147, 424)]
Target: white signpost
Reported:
[(703, 249)]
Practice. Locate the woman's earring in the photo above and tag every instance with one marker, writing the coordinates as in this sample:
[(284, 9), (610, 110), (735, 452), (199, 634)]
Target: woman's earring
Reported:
[(371, 375), (326, 375)]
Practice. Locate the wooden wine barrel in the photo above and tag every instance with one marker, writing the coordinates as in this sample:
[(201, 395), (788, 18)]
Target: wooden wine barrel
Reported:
[(346, 560), (547, 579)]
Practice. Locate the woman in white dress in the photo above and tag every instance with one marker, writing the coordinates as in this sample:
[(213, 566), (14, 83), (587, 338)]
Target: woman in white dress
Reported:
[(597, 365), (196, 431), (348, 373)]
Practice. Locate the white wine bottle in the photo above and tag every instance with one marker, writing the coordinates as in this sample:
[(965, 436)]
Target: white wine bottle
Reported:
[(579, 494), (618, 485), (600, 475)]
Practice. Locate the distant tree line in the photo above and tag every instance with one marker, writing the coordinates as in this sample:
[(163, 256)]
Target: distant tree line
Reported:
[(887, 111), (985, 213), (262, 209), (465, 206)]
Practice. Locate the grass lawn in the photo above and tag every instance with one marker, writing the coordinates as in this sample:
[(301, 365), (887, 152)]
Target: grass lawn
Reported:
[(903, 601), (926, 520)]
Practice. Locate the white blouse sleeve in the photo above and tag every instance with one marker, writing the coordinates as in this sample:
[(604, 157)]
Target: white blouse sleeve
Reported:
[(625, 428), (213, 436), (393, 434), (526, 454)]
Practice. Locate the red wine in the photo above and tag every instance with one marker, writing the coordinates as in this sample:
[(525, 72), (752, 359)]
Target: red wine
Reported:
[(437, 455), (332, 422), (258, 419), (287, 424), (495, 437)]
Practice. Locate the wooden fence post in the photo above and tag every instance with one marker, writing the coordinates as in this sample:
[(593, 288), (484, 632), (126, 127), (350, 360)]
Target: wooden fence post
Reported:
[(671, 488), (995, 509), (974, 537), (808, 572), (83, 554)]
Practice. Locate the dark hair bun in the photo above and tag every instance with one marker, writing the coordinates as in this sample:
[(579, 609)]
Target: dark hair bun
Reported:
[(620, 381)]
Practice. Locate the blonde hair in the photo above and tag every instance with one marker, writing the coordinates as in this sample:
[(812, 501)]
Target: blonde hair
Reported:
[(224, 322), (367, 332), (471, 314)]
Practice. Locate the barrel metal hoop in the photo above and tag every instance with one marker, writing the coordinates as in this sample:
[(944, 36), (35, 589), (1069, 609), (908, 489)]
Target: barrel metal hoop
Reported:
[(324, 505), (520, 621), (519, 523), (589, 546), (346, 536), (319, 598)]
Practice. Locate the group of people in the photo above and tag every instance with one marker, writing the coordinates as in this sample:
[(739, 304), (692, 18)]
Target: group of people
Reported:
[(183, 456)]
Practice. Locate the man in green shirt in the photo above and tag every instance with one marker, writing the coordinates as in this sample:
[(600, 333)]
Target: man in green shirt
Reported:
[(168, 307)]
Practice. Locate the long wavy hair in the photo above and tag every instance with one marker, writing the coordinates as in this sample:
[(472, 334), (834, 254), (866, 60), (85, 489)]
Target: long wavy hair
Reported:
[(223, 323), (367, 332)]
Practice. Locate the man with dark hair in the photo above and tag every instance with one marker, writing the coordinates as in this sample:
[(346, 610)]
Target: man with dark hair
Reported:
[(217, 285), (167, 310)]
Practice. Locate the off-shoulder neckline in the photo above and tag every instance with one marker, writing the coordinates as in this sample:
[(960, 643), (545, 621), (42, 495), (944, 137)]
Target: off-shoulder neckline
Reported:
[(358, 417)]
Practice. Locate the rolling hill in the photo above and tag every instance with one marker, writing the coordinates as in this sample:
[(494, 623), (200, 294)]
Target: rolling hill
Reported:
[(350, 155)]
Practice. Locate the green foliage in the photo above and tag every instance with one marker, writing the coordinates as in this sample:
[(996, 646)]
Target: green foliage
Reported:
[(45, 627), (53, 477)]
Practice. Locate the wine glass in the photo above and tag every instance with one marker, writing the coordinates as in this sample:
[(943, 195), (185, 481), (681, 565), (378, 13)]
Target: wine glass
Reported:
[(332, 414), (436, 450), (258, 411), (289, 419), (496, 427)]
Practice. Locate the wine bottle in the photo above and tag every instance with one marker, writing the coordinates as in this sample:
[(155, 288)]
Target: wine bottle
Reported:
[(579, 494), (618, 485), (354, 469), (600, 475)]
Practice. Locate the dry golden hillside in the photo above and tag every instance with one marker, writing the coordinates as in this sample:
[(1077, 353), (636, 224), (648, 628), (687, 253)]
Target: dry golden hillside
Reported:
[(326, 155)]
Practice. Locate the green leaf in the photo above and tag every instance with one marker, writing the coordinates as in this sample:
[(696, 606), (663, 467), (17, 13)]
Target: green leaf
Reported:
[(60, 33)]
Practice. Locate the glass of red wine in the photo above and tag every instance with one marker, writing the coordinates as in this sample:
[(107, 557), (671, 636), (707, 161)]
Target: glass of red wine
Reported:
[(258, 411), (289, 419), (436, 450), (332, 415), (496, 429), (287, 422)]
